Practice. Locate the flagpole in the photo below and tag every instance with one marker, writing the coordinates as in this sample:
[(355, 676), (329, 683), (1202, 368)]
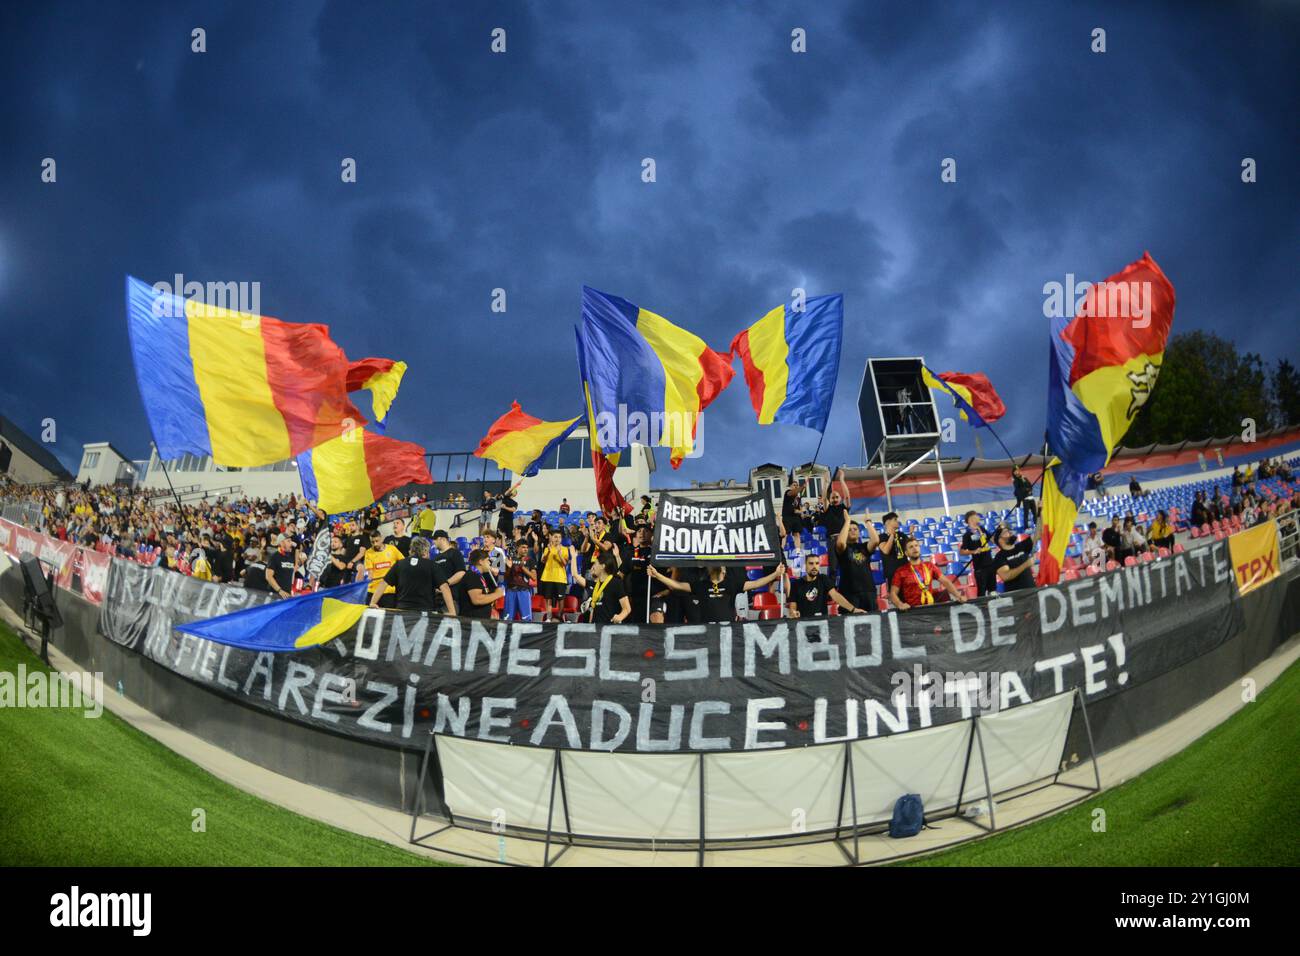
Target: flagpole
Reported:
[(163, 465)]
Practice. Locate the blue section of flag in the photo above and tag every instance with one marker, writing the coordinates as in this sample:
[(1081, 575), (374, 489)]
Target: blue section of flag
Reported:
[(814, 338), (277, 626), (621, 369), (160, 346)]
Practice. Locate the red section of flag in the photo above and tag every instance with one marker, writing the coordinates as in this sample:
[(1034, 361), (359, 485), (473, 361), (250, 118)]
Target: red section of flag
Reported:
[(753, 374), (308, 376), (1102, 338), (512, 421), (391, 463), (363, 370), (609, 497), (983, 397)]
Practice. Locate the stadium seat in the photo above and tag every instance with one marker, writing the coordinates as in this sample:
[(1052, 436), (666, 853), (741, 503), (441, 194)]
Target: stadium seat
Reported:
[(1130, 561), (769, 614), (763, 599)]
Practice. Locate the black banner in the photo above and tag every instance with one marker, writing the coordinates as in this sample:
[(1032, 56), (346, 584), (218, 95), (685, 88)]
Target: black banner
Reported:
[(747, 686), (738, 531), (143, 604)]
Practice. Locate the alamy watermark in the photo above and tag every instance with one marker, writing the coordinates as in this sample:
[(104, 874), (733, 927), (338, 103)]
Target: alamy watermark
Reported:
[(1128, 301), (41, 688), (206, 299), (624, 428)]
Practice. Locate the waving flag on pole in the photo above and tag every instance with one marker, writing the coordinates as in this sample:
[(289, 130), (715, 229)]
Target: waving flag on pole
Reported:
[(357, 469), (517, 441), (289, 625), (245, 389), (602, 464), (640, 363), (1102, 369), (381, 377), (792, 362), (972, 393)]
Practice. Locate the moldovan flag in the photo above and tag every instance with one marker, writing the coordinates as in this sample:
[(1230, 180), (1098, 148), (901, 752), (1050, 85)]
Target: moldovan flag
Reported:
[(358, 468), (603, 463), (245, 389), (517, 441), (639, 362), (381, 378), (1102, 369), (971, 392), (288, 625), (792, 361)]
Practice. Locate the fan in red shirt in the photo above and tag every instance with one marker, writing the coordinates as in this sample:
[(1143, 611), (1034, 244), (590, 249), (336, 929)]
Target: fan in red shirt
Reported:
[(912, 581)]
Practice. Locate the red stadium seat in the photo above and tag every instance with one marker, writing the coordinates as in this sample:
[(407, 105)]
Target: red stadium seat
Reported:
[(1178, 548), (763, 599), (1163, 552), (1070, 574), (1112, 565), (1130, 561), (1147, 557), (1090, 571), (769, 614), (940, 560), (832, 609), (571, 607)]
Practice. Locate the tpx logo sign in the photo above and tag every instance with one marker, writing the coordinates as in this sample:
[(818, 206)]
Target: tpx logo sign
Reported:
[(1256, 571), (1255, 556)]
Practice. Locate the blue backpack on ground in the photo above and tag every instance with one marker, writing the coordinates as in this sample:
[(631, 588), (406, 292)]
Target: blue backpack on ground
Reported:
[(909, 816)]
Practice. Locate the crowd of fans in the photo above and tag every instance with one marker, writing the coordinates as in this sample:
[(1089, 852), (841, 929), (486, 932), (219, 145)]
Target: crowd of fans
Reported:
[(587, 565)]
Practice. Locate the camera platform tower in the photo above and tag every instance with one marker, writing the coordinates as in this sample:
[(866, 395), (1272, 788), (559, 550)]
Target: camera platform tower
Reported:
[(900, 425)]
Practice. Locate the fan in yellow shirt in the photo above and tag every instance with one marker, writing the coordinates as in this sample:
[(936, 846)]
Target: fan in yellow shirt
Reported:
[(379, 557)]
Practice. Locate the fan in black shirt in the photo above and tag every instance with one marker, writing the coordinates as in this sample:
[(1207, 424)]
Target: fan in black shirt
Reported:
[(479, 589), (280, 568), (808, 594), (399, 538), (506, 513), (893, 547), (715, 591), (857, 583), (336, 571), (608, 602), (975, 544), (1014, 563), (417, 582), (255, 572)]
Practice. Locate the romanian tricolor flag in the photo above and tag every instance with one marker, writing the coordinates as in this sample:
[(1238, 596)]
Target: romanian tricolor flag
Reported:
[(792, 361), (289, 625), (603, 464), (245, 389), (639, 363), (517, 441), (971, 392), (381, 377), (1063, 489), (1104, 363), (358, 468), (1102, 369)]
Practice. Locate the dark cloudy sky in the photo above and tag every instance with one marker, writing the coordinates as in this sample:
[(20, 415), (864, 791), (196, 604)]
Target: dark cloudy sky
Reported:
[(522, 171)]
